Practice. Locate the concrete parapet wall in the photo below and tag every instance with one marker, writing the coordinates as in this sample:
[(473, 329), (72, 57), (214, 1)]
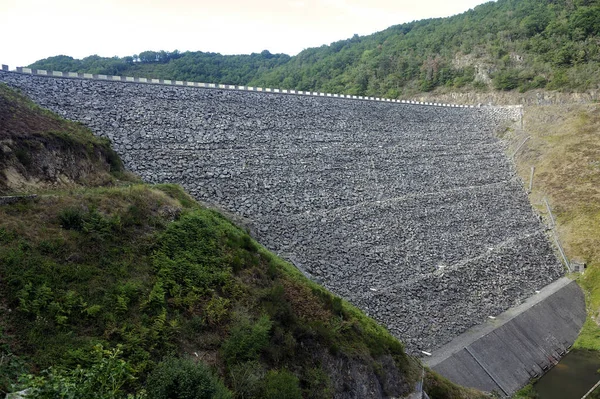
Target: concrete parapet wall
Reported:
[(411, 212), (74, 75), (506, 354)]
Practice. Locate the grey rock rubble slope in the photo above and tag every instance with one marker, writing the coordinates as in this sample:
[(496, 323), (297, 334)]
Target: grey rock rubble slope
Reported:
[(410, 212)]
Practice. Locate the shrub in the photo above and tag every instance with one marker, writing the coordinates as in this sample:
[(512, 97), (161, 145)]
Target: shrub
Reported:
[(247, 340), (559, 80), (112, 158), (437, 386), (426, 85), (99, 226), (281, 384), (178, 378), (11, 366), (104, 378), (527, 392), (318, 384), (506, 80), (23, 156), (246, 379), (249, 244), (92, 222), (276, 304), (71, 219), (6, 236), (216, 310), (586, 20), (478, 85)]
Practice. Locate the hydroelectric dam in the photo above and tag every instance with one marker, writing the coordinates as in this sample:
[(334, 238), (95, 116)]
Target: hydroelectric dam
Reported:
[(410, 211)]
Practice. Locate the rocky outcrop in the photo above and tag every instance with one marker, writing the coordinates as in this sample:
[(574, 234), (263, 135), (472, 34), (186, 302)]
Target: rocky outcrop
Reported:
[(493, 97)]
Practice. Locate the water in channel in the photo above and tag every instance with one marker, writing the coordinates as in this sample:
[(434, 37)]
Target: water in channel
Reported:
[(572, 377)]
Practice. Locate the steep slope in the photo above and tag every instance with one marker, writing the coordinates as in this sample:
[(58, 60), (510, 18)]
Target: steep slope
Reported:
[(37, 149), (503, 45), (139, 289)]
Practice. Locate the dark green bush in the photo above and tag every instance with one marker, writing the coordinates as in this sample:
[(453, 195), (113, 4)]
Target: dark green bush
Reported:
[(277, 305), (178, 378), (586, 20), (281, 384), (317, 384), (6, 236), (71, 219), (247, 340), (506, 80), (104, 378), (115, 163), (11, 366), (23, 156)]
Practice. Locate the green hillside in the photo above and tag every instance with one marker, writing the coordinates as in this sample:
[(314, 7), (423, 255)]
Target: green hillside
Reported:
[(188, 66), (503, 45), (130, 289)]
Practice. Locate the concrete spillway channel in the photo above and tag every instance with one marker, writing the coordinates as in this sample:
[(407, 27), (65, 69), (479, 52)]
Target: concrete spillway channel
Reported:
[(411, 212), (522, 343)]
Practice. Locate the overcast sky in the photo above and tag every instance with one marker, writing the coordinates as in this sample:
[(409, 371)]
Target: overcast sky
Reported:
[(35, 29)]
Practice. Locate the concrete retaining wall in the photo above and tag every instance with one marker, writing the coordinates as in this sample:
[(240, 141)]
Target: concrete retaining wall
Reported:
[(506, 353), (411, 212)]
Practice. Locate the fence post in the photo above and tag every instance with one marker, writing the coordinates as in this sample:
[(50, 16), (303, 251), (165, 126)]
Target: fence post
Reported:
[(549, 212), (521, 116), (562, 252), (531, 179)]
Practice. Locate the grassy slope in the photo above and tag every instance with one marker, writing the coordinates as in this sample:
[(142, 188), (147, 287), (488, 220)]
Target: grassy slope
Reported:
[(565, 150), (149, 271)]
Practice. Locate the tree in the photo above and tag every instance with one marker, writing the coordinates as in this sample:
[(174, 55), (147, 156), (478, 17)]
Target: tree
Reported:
[(148, 56)]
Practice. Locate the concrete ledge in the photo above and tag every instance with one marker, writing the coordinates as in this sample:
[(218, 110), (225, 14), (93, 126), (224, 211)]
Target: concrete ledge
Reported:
[(503, 354), (170, 82)]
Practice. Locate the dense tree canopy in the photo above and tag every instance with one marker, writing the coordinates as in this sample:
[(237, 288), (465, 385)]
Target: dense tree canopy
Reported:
[(190, 66), (504, 45)]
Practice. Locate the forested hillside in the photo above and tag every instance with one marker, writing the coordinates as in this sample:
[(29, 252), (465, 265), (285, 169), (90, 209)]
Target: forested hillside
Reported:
[(510, 44), (503, 45), (190, 66)]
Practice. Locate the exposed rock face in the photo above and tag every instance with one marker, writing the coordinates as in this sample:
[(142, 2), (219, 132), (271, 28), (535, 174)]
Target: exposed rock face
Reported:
[(34, 156), (529, 98), (410, 212)]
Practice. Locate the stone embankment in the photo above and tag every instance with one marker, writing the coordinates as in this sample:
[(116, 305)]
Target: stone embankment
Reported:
[(410, 212)]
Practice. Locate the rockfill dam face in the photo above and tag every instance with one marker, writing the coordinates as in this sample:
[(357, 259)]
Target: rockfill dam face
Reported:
[(410, 212)]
